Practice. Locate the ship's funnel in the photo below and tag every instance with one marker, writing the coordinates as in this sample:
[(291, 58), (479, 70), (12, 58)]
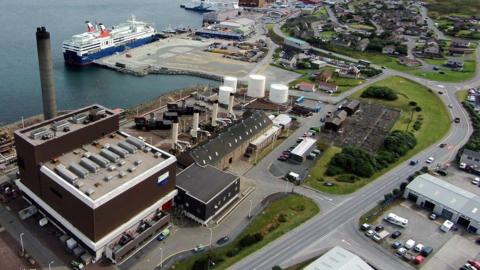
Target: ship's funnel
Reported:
[(45, 66)]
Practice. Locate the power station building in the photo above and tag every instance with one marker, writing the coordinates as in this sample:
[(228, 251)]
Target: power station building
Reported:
[(109, 191), (199, 202)]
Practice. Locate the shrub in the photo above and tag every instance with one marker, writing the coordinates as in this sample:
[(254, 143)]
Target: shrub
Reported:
[(282, 218), (249, 239), (403, 185), (347, 178), (412, 103), (379, 92), (353, 160), (276, 267), (418, 109), (298, 207), (417, 125), (399, 142), (233, 252)]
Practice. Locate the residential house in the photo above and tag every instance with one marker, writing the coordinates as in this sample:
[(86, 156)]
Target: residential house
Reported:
[(408, 61), (363, 44), (289, 60), (350, 72), (317, 64), (460, 43), (327, 87), (432, 48), (324, 76), (307, 87), (389, 49), (455, 64)]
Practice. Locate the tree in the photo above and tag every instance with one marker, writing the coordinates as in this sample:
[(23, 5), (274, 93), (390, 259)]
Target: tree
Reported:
[(379, 92)]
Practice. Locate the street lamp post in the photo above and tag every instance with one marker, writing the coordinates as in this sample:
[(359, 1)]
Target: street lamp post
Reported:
[(211, 237), (49, 264), (161, 258), (21, 243), (250, 211)]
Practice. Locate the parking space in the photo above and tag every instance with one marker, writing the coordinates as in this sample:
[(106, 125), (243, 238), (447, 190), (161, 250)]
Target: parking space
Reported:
[(453, 254), (420, 229), (462, 179)]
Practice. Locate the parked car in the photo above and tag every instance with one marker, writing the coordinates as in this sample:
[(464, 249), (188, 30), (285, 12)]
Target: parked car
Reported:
[(442, 145), (395, 234), (299, 140), (379, 228), (409, 244), (223, 240), (476, 180), (430, 160), (282, 158), (199, 248), (426, 251), (450, 106), (419, 247), (396, 245), (365, 227), (401, 251), (432, 216), (370, 233)]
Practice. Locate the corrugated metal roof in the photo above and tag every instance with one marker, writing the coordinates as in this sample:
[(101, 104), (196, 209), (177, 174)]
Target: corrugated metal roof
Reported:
[(303, 146), (448, 195), (338, 258)]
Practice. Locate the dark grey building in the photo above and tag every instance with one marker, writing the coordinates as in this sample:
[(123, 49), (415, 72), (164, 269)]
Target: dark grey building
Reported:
[(470, 159), (203, 192)]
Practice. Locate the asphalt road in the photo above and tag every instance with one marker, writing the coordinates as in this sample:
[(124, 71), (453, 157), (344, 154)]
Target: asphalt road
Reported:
[(311, 233)]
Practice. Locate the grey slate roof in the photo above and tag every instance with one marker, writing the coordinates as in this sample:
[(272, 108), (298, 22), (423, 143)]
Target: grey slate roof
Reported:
[(448, 195), (204, 183), (471, 153), (338, 258), (227, 141)]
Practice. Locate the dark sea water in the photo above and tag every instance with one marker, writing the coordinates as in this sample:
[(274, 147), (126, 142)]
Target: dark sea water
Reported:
[(76, 87)]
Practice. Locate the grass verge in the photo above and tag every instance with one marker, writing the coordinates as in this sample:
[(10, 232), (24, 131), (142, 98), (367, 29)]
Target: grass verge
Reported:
[(461, 95), (435, 124), (263, 223)]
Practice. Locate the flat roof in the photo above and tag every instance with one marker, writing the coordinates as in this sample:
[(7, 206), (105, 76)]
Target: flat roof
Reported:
[(338, 258), (56, 127), (296, 40), (100, 180), (303, 146), (282, 119), (204, 183), (448, 195)]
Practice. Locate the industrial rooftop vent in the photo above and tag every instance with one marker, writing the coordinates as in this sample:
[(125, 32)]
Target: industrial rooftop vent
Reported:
[(66, 174), (97, 113), (60, 125), (38, 133), (78, 118), (137, 142)]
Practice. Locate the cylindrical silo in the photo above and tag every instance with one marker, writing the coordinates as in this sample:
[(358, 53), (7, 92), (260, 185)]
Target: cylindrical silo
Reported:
[(256, 86), (230, 81), (278, 93), (224, 94)]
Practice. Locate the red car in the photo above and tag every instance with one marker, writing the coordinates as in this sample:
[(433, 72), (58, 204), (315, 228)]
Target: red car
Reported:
[(282, 158)]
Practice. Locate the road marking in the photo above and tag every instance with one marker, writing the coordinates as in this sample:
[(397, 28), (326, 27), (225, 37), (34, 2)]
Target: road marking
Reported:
[(346, 242)]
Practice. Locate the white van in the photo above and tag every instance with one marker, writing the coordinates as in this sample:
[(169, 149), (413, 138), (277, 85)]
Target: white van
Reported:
[(446, 226), (397, 220), (292, 177), (409, 244)]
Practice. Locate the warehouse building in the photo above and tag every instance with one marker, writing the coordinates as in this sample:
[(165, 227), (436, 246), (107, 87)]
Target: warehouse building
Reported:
[(338, 258), (200, 203), (85, 176), (446, 200), (229, 145), (251, 3), (296, 44), (282, 121)]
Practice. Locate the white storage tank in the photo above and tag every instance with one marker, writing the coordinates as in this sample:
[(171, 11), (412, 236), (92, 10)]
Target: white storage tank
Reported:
[(278, 93), (256, 86), (231, 82), (224, 94)]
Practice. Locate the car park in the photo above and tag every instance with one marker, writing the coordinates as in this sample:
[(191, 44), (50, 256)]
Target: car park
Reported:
[(419, 247), (396, 245), (430, 160), (401, 251), (409, 244), (370, 233), (223, 240), (395, 234)]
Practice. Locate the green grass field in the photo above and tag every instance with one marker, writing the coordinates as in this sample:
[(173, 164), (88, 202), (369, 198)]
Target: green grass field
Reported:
[(461, 95), (321, 13), (287, 206), (435, 125), (361, 26), (457, 7)]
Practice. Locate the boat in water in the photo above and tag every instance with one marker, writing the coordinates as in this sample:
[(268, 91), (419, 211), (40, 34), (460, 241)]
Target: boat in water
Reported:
[(99, 41)]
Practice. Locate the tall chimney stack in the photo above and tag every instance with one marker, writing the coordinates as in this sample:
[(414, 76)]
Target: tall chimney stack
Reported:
[(174, 133), (194, 131), (45, 65), (214, 113), (231, 100)]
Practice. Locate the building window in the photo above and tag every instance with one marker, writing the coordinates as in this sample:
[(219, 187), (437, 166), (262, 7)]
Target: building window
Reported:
[(198, 210), (224, 198), (470, 158), (54, 191), (186, 204), (229, 194)]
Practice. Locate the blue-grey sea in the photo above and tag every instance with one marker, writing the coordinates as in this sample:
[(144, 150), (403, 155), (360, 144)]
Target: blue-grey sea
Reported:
[(20, 93)]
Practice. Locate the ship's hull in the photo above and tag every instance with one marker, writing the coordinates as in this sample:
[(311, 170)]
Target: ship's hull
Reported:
[(72, 58)]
